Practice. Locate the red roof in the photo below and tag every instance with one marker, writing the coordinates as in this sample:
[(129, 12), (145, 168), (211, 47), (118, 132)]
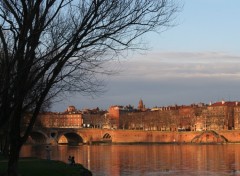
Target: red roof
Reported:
[(227, 103)]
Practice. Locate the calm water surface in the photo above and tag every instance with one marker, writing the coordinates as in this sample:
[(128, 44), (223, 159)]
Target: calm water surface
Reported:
[(149, 160)]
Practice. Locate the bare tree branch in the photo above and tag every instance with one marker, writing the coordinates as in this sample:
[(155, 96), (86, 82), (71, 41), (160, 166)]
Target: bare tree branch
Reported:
[(51, 46)]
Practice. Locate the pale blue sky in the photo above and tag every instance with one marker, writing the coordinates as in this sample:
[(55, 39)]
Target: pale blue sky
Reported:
[(204, 25), (198, 60)]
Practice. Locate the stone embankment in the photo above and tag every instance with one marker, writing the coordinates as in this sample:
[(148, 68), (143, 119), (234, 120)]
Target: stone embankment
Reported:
[(137, 136)]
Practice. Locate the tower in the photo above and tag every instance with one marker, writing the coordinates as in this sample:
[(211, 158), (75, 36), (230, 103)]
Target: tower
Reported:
[(141, 106)]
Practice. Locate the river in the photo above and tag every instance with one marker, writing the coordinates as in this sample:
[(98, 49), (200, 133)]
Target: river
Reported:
[(148, 160)]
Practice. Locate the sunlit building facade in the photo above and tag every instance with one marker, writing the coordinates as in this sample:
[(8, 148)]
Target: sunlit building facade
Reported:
[(195, 117), (71, 118)]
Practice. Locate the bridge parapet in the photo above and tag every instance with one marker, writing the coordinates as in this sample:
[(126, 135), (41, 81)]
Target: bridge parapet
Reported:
[(91, 135)]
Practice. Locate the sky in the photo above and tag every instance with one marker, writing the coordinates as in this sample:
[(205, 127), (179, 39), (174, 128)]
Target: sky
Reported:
[(197, 60)]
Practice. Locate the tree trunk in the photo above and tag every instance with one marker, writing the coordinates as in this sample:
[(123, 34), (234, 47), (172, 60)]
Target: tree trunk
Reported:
[(15, 144), (5, 148), (13, 158)]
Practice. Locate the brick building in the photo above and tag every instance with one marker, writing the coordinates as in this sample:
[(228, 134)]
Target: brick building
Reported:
[(195, 117), (222, 115), (94, 118), (116, 112), (71, 118)]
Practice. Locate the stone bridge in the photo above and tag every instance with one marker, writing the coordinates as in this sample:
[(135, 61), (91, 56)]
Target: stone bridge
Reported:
[(90, 135), (69, 136)]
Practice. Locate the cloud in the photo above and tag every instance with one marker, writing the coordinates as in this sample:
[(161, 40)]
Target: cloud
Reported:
[(167, 78), (159, 66)]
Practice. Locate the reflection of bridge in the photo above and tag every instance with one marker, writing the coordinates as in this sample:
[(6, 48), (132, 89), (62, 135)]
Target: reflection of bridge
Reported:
[(91, 135)]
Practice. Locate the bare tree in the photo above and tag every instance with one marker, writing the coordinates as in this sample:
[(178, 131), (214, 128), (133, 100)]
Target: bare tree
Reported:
[(50, 46), (124, 120)]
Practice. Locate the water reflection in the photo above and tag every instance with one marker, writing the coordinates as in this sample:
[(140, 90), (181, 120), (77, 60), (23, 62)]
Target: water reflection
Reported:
[(131, 160)]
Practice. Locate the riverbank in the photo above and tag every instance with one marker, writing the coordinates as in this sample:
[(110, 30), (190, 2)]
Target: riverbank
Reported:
[(93, 135), (41, 167)]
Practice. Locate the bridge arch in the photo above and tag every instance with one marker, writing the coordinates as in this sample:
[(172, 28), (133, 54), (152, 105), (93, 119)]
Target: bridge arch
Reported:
[(209, 137), (70, 138), (107, 137), (37, 137)]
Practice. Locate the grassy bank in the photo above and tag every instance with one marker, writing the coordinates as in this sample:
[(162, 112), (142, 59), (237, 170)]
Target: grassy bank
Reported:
[(41, 167)]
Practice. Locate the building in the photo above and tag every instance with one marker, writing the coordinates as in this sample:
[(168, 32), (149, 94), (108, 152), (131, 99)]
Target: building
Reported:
[(237, 116), (222, 115), (195, 117), (94, 118), (71, 118), (115, 113)]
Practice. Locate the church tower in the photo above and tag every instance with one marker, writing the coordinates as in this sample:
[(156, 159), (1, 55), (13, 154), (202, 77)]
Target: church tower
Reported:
[(141, 106)]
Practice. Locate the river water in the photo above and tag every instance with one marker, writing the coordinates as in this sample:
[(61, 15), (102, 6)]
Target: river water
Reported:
[(148, 160)]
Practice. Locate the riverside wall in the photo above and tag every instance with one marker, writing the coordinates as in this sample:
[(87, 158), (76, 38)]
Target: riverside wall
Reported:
[(138, 136)]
